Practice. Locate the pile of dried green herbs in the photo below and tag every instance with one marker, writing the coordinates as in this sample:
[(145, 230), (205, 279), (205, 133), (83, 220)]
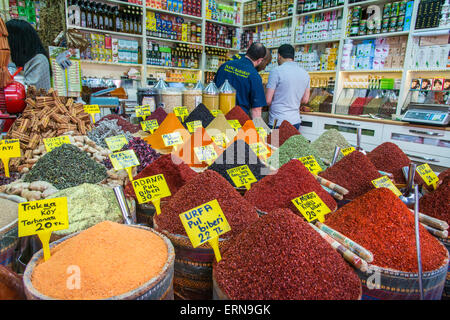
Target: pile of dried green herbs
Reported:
[(66, 166)]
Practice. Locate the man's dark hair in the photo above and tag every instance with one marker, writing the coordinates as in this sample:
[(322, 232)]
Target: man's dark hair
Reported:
[(286, 51), (256, 51), (24, 42)]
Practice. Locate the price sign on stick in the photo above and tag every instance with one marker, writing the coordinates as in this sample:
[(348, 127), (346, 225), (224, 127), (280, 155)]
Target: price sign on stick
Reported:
[(311, 164), (52, 143), (172, 139), (259, 149), (124, 160), (427, 175), (92, 109), (151, 189), (116, 143), (220, 140), (206, 153), (42, 217), (242, 176), (9, 148), (193, 125), (143, 111), (262, 133), (215, 112), (181, 112), (385, 182), (311, 207), (205, 223), (347, 151), (234, 124), (150, 125)]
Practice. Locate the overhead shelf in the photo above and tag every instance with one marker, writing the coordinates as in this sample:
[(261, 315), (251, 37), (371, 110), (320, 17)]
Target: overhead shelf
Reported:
[(107, 63), (237, 25), (266, 22), (373, 71), (149, 66), (173, 41), (369, 2), (316, 42), (431, 32), (175, 13), (125, 3), (219, 47), (123, 34), (319, 11), (379, 35), (321, 71)]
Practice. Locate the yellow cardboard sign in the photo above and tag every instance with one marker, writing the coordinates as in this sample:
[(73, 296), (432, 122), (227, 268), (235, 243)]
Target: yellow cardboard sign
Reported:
[(152, 189), (234, 124), (9, 148), (42, 217), (193, 125), (92, 109), (427, 174), (347, 151), (311, 164), (205, 223), (181, 112), (215, 112), (143, 111), (259, 149), (220, 140), (172, 139), (385, 182), (116, 143), (242, 176), (311, 207), (52, 143), (150, 125), (124, 160), (262, 133), (206, 153)]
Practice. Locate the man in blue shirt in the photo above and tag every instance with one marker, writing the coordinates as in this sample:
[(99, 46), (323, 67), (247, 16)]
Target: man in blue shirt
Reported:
[(243, 76)]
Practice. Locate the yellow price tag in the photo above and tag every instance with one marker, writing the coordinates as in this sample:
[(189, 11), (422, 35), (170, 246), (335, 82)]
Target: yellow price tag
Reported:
[(311, 207), (311, 164), (215, 112), (52, 143), (262, 133), (234, 124), (242, 176), (220, 140), (206, 153), (143, 111), (42, 217), (181, 112), (152, 189), (124, 160), (385, 182), (427, 174), (172, 139), (193, 125), (9, 148), (259, 149), (116, 143), (347, 151), (150, 125), (205, 223), (92, 109)]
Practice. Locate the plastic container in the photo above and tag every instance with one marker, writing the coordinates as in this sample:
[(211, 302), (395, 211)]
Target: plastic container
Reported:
[(158, 288), (192, 98), (170, 99), (227, 97), (158, 88), (211, 96), (147, 96)]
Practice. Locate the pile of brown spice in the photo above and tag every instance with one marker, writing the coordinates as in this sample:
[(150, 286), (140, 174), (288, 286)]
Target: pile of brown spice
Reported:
[(204, 187), (437, 202), (354, 172), (381, 223), (280, 257)]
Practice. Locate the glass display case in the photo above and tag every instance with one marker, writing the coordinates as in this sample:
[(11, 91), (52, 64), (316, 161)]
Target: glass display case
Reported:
[(321, 97)]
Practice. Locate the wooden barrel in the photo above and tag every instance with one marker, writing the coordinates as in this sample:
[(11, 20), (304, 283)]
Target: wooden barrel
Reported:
[(446, 293), (159, 287), (145, 212), (193, 267), (218, 293), (399, 285), (8, 243)]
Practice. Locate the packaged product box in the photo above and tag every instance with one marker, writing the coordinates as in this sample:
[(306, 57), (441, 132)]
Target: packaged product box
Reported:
[(388, 62), (94, 54), (444, 51), (438, 84), (134, 57), (416, 84), (432, 57), (134, 46), (108, 42), (101, 55), (108, 55)]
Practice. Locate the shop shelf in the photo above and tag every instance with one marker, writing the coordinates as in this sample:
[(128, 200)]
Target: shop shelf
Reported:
[(319, 11), (236, 25), (379, 35), (123, 34), (266, 22), (149, 66), (173, 41)]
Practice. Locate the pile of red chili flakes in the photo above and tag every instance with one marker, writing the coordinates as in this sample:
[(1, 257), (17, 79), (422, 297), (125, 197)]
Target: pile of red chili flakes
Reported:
[(381, 223), (278, 136), (437, 203), (354, 172), (204, 187), (280, 257)]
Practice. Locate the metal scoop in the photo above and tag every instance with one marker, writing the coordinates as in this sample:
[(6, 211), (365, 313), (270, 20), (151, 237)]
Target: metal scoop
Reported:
[(120, 196)]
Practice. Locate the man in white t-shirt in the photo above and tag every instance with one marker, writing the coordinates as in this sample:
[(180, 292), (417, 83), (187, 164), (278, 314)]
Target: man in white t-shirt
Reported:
[(287, 89)]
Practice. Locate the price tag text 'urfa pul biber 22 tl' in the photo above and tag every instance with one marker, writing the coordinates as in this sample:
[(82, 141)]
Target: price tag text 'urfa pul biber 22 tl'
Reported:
[(151, 189), (206, 223)]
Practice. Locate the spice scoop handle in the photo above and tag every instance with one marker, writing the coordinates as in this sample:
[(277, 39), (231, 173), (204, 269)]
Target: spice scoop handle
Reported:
[(347, 242), (349, 256), (432, 222), (331, 185), (437, 233), (120, 196), (333, 193)]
